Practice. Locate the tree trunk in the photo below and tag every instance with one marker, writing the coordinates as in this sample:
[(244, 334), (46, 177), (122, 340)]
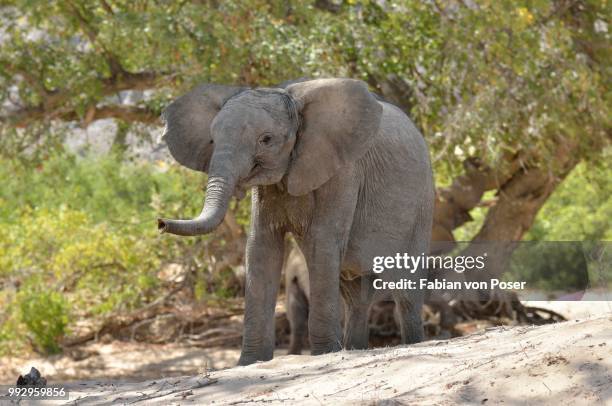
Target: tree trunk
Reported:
[(522, 196), (519, 200)]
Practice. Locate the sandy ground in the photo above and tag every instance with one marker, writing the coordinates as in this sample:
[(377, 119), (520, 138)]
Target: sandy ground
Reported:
[(565, 363), (138, 361), (117, 360), (575, 310)]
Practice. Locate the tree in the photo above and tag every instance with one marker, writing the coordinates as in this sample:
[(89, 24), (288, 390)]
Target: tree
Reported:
[(511, 95)]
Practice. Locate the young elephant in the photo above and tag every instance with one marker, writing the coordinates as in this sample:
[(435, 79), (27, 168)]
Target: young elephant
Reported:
[(297, 291), (349, 176)]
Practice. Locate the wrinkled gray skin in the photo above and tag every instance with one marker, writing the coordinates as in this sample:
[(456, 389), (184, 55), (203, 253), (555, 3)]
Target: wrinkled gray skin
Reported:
[(297, 291), (349, 176)]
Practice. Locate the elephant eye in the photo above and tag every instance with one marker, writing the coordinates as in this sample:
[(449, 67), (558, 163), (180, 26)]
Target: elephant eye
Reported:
[(265, 139)]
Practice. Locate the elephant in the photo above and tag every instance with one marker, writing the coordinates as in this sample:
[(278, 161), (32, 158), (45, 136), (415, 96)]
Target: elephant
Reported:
[(348, 175), (297, 291)]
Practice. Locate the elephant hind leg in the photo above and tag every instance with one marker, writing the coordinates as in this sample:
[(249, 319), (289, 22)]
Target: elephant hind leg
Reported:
[(356, 330), (409, 303), (408, 315), (297, 313)]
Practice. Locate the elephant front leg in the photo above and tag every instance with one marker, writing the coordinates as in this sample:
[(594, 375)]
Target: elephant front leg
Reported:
[(264, 259), (324, 246), (324, 328)]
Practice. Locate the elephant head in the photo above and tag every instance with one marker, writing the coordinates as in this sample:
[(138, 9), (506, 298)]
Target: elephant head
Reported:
[(300, 135)]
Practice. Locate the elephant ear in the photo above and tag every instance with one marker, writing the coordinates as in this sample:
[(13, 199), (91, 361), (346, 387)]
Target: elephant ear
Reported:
[(188, 120), (340, 119)]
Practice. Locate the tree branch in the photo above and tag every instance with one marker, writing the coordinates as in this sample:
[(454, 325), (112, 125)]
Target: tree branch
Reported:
[(454, 203), (125, 113), (107, 7), (55, 104), (328, 5), (522, 196), (521, 193), (128, 113), (92, 33)]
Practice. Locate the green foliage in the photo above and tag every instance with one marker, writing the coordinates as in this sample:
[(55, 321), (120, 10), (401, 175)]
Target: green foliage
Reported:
[(565, 233), (485, 79), (104, 188), (78, 237), (467, 231), (45, 314), (579, 209), (552, 266)]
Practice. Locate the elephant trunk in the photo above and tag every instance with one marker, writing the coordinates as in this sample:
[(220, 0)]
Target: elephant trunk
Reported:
[(218, 194)]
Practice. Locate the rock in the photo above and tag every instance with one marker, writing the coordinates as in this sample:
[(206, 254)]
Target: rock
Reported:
[(32, 378)]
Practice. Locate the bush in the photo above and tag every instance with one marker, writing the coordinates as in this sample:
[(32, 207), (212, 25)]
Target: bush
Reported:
[(552, 266), (78, 239), (579, 209), (45, 314)]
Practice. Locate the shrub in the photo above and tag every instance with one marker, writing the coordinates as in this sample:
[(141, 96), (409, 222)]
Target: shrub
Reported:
[(78, 239), (45, 314)]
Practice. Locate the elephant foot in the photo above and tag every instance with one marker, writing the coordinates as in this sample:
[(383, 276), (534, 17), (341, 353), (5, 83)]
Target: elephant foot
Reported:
[(294, 349), (357, 345), (250, 358), (413, 334), (247, 360), (325, 348), (414, 338), (242, 361)]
